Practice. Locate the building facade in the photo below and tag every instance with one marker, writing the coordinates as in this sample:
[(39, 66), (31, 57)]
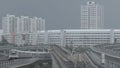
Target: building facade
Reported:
[(16, 27), (92, 16), (76, 37)]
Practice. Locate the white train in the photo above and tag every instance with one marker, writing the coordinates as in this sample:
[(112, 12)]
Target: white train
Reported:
[(13, 54)]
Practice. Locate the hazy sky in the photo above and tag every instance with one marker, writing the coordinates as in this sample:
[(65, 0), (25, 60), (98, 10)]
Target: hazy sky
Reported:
[(60, 14)]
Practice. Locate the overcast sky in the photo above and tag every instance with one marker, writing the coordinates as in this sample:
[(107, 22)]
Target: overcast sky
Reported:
[(60, 14)]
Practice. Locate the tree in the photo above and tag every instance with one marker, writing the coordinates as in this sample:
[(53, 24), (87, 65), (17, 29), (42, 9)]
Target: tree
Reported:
[(4, 42)]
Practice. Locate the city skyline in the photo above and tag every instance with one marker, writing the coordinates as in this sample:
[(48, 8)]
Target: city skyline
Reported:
[(60, 14), (59, 34)]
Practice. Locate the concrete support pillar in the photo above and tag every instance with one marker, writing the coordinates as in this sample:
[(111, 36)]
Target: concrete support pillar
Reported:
[(46, 37), (112, 37), (62, 38)]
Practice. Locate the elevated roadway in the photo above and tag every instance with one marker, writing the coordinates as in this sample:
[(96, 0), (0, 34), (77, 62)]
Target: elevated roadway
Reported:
[(36, 53), (111, 57)]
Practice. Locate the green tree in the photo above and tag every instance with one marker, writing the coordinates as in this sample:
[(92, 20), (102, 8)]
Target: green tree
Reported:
[(3, 42)]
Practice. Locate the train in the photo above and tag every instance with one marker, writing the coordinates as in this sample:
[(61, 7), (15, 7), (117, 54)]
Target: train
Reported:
[(18, 54), (13, 54)]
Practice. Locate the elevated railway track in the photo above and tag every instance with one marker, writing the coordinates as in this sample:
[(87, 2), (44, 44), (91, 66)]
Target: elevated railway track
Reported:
[(62, 57)]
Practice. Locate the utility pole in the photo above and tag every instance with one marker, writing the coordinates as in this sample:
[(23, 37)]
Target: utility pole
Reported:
[(72, 54)]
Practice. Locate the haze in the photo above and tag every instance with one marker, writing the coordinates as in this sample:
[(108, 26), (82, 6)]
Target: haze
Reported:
[(60, 14)]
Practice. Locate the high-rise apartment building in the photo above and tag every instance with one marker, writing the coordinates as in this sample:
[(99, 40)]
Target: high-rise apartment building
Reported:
[(23, 24), (92, 16), (21, 28), (9, 24)]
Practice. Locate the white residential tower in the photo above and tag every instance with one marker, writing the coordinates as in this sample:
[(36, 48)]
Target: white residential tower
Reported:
[(92, 16)]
